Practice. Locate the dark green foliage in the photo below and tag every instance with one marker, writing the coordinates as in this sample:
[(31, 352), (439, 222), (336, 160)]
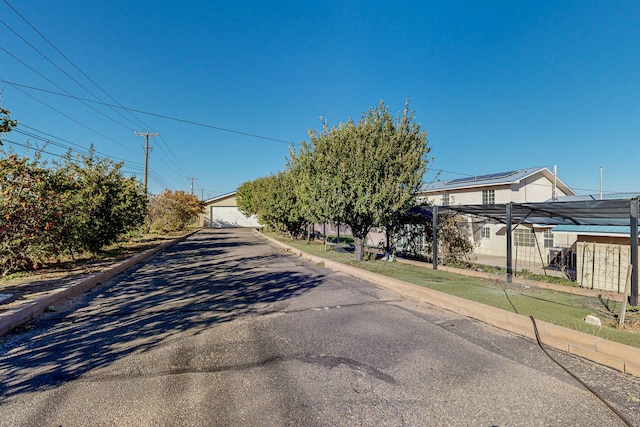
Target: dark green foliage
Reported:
[(274, 201), (362, 174), (80, 205)]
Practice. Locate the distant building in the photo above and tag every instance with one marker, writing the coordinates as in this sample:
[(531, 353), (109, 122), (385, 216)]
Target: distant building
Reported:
[(222, 212), (535, 246)]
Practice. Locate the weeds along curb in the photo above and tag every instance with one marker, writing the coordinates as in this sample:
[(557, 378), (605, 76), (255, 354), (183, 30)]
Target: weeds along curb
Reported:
[(21, 314), (612, 354)]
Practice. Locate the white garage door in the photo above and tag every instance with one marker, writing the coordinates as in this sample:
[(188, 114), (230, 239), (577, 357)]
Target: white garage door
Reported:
[(230, 216)]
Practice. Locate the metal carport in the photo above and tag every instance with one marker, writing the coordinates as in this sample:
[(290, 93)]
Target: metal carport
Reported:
[(620, 212)]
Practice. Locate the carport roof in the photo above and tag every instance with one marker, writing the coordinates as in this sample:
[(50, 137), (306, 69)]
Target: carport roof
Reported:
[(589, 212)]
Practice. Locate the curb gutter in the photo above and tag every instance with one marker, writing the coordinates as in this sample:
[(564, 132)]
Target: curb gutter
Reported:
[(618, 356), (21, 314)]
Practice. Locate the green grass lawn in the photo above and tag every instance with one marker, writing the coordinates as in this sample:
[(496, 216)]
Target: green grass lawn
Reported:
[(558, 308)]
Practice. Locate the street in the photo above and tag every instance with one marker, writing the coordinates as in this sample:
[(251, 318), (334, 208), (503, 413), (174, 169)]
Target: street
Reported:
[(226, 329)]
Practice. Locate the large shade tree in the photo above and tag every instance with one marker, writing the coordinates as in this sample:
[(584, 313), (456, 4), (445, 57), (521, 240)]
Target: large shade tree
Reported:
[(274, 200), (363, 174)]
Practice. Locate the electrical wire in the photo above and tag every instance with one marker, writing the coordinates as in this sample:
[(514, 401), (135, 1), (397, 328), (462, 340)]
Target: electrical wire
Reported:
[(62, 156), (83, 101), (79, 70), (61, 70), (74, 120), (85, 150), (72, 63), (162, 116)]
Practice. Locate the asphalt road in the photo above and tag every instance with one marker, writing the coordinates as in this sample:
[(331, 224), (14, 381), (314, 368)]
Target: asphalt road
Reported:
[(225, 329)]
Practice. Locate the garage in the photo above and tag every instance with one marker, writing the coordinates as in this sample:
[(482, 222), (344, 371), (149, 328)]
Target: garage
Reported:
[(229, 216), (222, 212)]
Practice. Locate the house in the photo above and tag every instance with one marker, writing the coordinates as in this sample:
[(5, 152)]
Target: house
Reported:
[(222, 212), (534, 247), (602, 252)]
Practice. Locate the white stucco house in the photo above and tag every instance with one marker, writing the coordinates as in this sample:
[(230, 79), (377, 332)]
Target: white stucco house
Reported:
[(533, 246), (222, 212)]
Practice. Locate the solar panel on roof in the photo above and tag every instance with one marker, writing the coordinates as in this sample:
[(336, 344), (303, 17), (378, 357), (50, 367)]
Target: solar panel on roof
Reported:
[(482, 177)]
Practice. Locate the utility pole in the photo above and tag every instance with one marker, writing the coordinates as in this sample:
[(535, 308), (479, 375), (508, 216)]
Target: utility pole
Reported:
[(202, 191), (192, 179), (146, 154)]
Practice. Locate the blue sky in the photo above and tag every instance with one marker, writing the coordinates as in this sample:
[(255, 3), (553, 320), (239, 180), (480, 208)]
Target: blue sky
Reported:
[(498, 85)]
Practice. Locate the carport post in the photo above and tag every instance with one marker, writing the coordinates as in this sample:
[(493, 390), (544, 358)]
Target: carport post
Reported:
[(633, 300), (509, 249), (434, 237)]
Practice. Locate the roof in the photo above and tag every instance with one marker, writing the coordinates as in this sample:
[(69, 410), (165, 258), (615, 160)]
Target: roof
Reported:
[(605, 196), (594, 230), (221, 197), (500, 178), (593, 212)]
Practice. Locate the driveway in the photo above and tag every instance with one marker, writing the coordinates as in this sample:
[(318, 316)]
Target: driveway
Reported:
[(226, 329)]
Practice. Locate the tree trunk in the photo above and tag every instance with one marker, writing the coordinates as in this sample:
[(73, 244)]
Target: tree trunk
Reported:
[(324, 235), (359, 248), (310, 233)]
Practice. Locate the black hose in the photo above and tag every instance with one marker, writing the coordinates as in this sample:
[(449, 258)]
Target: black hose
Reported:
[(535, 329)]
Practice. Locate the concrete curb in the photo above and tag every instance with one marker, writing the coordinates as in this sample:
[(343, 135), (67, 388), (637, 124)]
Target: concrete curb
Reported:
[(610, 295), (618, 356), (29, 309)]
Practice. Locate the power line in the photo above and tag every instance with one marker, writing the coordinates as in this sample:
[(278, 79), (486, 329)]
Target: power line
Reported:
[(22, 125), (162, 116), (70, 62), (176, 162), (49, 142), (72, 119), (84, 101)]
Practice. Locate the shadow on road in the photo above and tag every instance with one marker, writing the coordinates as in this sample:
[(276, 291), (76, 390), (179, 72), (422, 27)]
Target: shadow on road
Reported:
[(212, 277)]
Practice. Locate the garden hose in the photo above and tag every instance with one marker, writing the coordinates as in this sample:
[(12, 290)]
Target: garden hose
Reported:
[(535, 329)]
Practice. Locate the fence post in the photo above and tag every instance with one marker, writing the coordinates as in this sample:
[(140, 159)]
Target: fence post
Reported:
[(634, 251), (434, 237)]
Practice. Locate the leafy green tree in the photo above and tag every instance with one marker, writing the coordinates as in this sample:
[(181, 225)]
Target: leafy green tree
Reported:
[(100, 203), (365, 173), (173, 211), (250, 198), (274, 200), (30, 217), (6, 124)]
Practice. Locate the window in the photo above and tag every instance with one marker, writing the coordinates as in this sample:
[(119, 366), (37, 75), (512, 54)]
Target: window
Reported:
[(445, 199), (488, 197), (524, 237), (485, 232), (548, 239)]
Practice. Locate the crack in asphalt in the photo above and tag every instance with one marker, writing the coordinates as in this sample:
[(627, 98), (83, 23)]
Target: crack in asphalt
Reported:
[(323, 360), (333, 307)]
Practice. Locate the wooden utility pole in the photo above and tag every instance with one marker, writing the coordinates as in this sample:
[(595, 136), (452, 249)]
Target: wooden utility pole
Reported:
[(146, 153), (192, 179)]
